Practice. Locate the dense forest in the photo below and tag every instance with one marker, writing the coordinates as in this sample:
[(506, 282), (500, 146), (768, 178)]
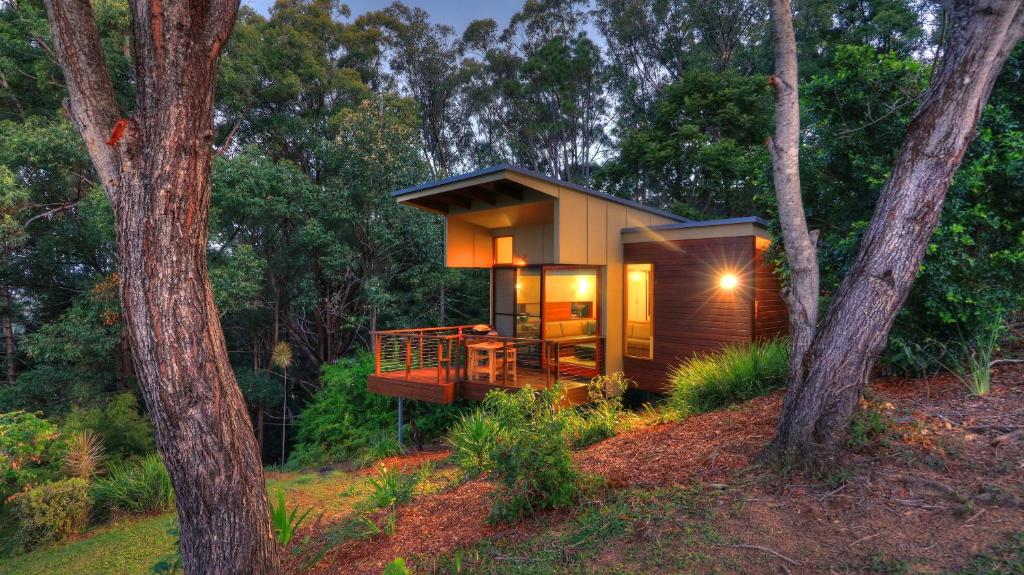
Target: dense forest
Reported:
[(320, 113)]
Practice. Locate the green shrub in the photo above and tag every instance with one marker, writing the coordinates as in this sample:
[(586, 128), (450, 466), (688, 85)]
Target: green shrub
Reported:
[(734, 374), (120, 424), (534, 469), (30, 452), (51, 512), (530, 460), (138, 486), (472, 440), (343, 417), (392, 487)]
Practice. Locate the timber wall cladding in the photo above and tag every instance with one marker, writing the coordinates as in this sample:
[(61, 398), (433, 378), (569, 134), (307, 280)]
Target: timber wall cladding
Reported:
[(692, 313), (771, 317)]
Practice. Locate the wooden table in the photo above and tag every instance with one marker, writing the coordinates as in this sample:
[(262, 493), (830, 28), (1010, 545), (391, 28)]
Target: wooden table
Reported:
[(485, 347)]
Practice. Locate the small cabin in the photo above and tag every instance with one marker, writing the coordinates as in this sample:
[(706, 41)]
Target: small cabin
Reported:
[(582, 283)]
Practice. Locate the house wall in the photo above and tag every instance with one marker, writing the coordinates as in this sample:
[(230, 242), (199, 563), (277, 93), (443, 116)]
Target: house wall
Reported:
[(692, 313), (534, 243), (467, 245), (771, 318)]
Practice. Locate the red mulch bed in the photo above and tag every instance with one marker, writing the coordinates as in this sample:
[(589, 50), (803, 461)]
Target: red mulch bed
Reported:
[(869, 513), (704, 447), (407, 463)]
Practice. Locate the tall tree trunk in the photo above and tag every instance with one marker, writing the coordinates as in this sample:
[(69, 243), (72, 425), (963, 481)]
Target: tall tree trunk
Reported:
[(818, 407), (801, 294), (156, 170), (9, 348)]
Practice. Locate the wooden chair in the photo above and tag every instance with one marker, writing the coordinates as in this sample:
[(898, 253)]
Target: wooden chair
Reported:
[(507, 355)]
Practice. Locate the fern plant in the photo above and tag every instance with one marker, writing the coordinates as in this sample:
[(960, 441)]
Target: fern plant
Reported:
[(286, 522)]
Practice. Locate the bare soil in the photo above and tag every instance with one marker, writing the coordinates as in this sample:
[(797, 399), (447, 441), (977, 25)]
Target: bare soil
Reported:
[(941, 482)]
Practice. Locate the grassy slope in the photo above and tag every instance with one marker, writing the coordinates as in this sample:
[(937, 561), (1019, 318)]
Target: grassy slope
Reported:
[(133, 546)]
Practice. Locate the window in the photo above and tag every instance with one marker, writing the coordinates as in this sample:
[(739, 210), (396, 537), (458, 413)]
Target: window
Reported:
[(503, 252), (639, 310)]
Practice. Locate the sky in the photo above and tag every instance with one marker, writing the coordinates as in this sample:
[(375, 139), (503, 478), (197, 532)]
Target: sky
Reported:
[(455, 13)]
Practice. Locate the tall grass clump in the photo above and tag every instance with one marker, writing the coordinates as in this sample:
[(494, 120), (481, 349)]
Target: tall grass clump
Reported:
[(734, 374), (472, 440), (139, 486)]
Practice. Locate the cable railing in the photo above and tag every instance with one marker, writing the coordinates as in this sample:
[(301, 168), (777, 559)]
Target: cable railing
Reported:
[(445, 355)]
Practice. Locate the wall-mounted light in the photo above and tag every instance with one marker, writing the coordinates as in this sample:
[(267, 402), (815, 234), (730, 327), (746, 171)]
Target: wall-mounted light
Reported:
[(519, 261), (728, 281), (519, 286), (636, 276)]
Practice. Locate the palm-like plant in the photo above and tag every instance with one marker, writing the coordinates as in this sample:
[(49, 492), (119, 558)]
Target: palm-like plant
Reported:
[(84, 454)]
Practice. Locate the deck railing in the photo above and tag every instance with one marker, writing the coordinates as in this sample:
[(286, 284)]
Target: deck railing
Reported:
[(450, 354)]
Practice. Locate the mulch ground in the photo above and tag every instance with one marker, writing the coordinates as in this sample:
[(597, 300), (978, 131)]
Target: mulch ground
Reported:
[(945, 483)]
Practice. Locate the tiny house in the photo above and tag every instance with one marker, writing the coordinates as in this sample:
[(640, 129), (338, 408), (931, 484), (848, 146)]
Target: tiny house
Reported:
[(581, 284)]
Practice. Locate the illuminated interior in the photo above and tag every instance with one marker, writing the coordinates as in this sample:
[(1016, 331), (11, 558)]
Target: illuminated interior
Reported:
[(639, 310)]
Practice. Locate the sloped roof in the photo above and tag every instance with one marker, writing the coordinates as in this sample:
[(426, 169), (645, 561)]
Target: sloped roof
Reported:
[(530, 173)]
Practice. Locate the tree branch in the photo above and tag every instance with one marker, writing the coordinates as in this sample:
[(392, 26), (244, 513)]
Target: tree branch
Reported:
[(91, 103)]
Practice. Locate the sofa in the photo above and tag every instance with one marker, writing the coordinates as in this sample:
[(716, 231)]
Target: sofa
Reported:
[(567, 328), (638, 338)]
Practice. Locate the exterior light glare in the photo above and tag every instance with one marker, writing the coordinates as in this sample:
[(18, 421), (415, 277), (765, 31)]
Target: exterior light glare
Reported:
[(728, 281)]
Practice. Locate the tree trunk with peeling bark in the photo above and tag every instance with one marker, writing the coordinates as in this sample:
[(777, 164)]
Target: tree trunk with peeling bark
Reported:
[(155, 168), (820, 404), (801, 294)]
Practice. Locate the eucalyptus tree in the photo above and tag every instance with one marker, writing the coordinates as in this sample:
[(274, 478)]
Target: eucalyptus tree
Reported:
[(830, 360), (539, 91), (428, 62), (153, 161)]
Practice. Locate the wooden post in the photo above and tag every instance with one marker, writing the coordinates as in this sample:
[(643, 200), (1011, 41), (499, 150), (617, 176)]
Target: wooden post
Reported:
[(376, 352), (504, 363), (408, 355), (440, 355)]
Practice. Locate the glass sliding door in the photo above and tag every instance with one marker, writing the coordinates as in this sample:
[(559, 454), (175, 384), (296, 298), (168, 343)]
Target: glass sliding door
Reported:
[(504, 301), (528, 307)]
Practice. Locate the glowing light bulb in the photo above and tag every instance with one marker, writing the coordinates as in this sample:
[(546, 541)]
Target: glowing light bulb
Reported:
[(728, 281)]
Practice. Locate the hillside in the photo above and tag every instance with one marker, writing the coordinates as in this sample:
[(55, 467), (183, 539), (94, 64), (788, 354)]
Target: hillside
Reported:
[(935, 484)]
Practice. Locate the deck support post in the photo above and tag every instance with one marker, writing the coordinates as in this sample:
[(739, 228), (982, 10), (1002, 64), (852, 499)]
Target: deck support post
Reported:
[(401, 415)]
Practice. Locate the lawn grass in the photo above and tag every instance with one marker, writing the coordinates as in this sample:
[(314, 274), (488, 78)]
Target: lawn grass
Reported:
[(133, 546)]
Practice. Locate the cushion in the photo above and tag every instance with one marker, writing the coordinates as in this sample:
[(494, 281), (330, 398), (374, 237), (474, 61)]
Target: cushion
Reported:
[(572, 328), (639, 330)]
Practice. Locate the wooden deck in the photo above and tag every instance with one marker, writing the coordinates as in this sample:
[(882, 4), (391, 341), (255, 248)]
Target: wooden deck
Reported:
[(423, 385)]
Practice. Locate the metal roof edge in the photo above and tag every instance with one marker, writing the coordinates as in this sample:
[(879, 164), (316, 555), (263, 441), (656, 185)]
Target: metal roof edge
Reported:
[(756, 220)]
